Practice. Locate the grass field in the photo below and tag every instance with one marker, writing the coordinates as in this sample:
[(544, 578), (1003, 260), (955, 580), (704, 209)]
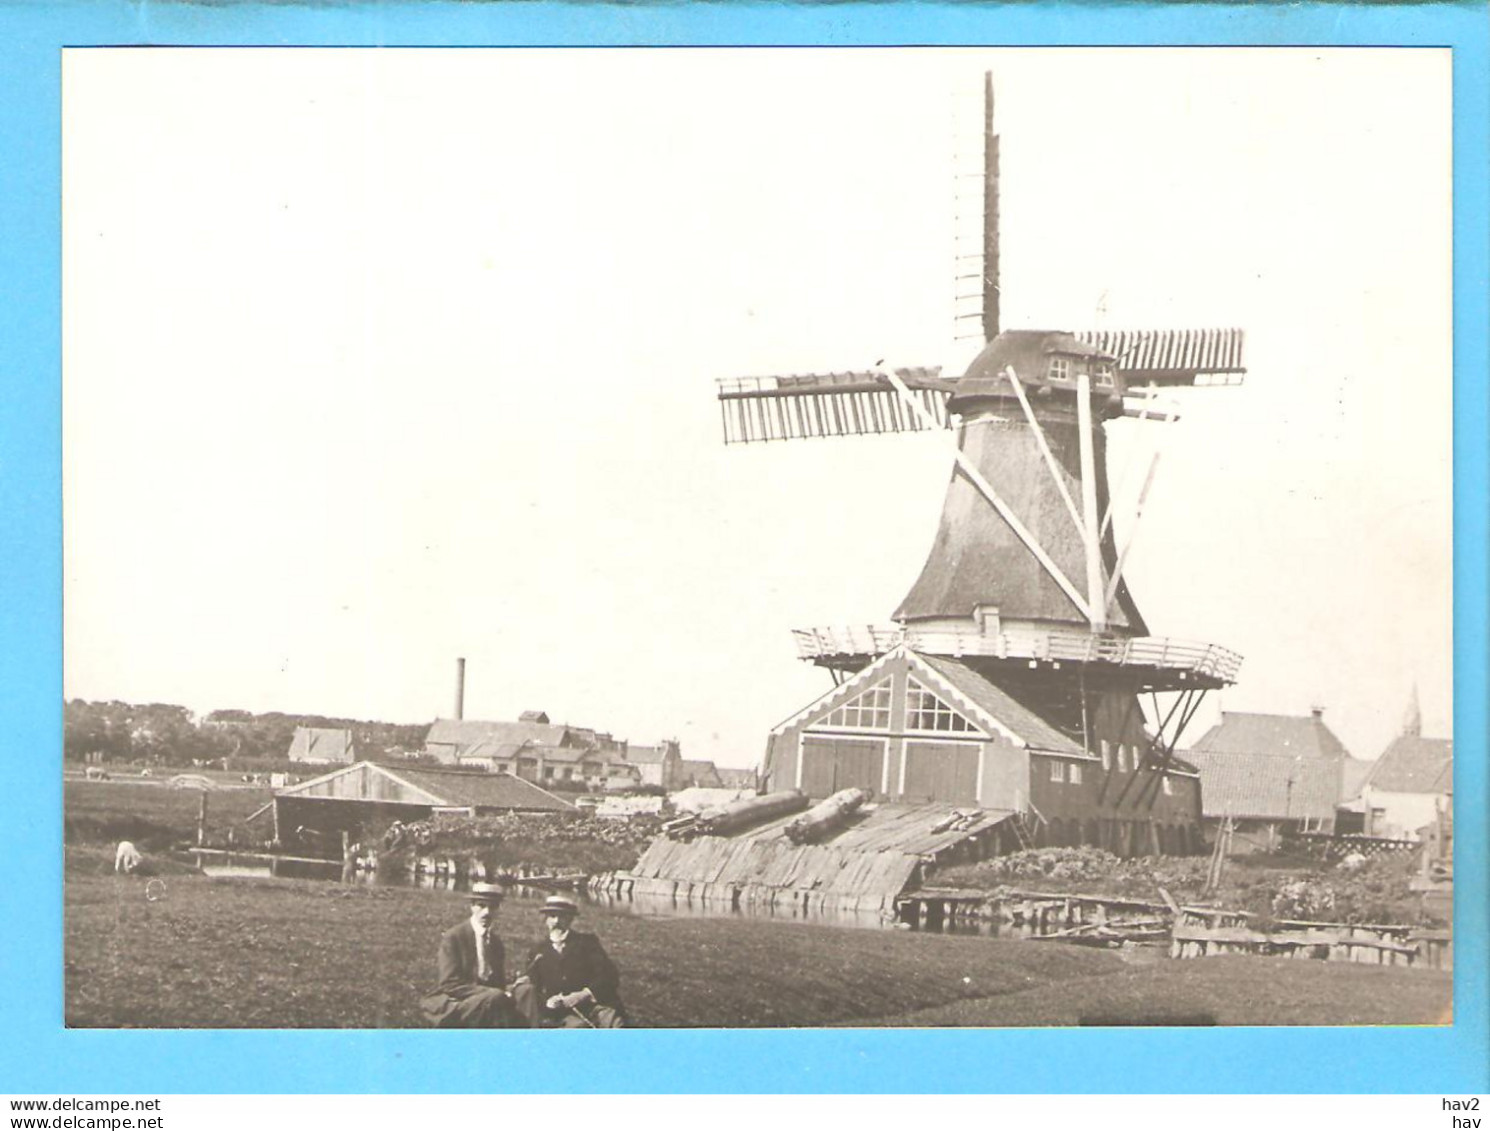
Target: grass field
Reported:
[(284, 953), (153, 815)]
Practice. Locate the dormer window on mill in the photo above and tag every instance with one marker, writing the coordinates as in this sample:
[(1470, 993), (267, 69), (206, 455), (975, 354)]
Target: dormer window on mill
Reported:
[(1060, 369)]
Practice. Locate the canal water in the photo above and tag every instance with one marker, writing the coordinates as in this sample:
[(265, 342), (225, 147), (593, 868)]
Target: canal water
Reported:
[(258, 867)]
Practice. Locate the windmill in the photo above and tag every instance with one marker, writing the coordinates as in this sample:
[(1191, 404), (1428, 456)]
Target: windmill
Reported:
[(1024, 584)]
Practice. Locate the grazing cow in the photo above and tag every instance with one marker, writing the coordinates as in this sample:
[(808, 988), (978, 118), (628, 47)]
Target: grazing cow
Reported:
[(127, 857), (96, 773)]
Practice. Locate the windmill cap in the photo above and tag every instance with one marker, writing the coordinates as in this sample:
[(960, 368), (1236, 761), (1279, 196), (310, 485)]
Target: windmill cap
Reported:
[(1028, 352)]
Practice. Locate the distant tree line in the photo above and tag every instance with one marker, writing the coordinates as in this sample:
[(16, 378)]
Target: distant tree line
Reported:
[(169, 735)]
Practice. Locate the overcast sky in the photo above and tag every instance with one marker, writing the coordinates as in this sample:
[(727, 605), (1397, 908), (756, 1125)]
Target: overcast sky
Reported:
[(373, 359)]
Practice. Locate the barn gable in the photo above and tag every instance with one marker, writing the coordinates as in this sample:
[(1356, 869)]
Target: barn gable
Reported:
[(364, 781), (843, 692), (986, 710), (912, 727)]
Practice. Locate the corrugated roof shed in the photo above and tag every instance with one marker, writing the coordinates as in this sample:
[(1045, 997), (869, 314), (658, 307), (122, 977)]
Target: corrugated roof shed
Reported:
[(1413, 764), (1273, 786), (321, 744), (1246, 733), (487, 791), (1001, 705), (417, 785)]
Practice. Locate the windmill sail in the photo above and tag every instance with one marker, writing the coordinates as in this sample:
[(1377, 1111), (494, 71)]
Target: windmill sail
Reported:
[(810, 405), (990, 215), (1173, 357)]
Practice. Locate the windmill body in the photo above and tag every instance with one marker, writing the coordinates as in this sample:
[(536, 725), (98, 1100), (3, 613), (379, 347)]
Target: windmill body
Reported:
[(1010, 678)]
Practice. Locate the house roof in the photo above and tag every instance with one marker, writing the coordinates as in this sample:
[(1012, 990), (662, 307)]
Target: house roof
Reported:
[(1280, 786), (565, 753), (471, 732), (704, 772), (321, 744), (494, 751), (1354, 773), (1246, 733), (1414, 764), (647, 754), (1030, 727)]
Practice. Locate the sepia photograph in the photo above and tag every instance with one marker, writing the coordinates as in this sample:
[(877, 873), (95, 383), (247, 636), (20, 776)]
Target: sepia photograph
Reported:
[(757, 537)]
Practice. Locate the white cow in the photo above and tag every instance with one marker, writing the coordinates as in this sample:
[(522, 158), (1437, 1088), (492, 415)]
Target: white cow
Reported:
[(127, 857)]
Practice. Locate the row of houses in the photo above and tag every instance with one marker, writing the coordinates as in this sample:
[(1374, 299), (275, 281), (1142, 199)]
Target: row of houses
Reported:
[(537, 750), (1269, 774)]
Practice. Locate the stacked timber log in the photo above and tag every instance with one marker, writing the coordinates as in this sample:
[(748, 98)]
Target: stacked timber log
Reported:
[(826, 817), (721, 820), (773, 873)]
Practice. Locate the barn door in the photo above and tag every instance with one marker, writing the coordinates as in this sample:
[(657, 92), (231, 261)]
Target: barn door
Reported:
[(941, 771), (831, 764)]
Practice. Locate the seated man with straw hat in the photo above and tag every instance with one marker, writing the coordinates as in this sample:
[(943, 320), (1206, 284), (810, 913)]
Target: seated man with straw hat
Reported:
[(574, 981), (473, 991)]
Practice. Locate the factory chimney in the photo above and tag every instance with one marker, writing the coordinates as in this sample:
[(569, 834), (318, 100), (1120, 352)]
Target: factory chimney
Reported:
[(460, 687)]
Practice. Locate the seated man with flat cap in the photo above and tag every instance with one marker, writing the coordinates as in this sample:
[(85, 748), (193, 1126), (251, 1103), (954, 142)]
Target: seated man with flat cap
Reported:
[(574, 981), (473, 991)]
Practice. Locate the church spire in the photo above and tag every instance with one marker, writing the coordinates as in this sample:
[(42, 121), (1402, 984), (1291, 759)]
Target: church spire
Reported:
[(1412, 722)]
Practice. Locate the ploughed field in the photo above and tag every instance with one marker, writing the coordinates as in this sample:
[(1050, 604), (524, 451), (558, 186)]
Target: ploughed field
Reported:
[(186, 950)]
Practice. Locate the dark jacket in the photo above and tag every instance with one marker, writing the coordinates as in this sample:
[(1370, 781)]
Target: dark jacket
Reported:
[(583, 965), (458, 962)]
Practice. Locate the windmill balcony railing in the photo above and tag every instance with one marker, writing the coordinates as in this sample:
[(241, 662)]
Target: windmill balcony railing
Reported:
[(1210, 661)]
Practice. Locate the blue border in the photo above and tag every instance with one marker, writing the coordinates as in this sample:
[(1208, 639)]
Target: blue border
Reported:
[(43, 1057)]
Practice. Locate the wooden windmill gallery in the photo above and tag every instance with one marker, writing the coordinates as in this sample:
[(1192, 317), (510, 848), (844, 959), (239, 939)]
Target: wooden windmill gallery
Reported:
[(1012, 677)]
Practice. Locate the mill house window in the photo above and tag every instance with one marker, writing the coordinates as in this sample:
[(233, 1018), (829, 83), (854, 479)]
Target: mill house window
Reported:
[(869, 710), (924, 710)]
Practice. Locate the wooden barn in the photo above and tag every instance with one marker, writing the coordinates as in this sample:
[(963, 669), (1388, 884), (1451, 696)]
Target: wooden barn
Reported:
[(915, 728), (369, 795)]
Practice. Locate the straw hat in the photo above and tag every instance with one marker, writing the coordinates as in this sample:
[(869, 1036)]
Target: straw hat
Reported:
[(487, 893), (558, 905)]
